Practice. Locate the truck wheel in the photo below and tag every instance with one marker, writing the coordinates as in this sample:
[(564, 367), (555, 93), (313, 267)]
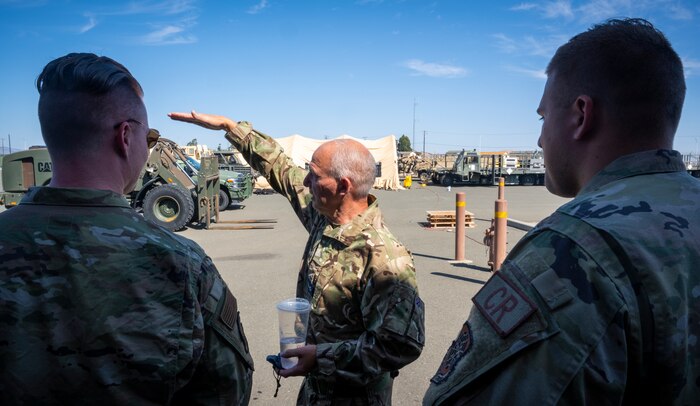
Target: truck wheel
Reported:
[(170, 206), (527, 180), (447, 180), (224, 201), (424, 177)]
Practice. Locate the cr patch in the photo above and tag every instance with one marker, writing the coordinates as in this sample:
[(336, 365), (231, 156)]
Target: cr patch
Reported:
[(503, 305)]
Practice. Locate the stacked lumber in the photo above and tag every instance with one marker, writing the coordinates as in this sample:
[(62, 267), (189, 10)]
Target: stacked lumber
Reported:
[(446, 219)]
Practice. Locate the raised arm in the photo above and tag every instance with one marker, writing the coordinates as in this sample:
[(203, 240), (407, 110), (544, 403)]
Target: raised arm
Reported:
[(265, 155)]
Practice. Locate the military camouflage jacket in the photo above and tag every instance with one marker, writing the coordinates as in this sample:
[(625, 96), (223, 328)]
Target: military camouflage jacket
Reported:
[(598, 304), (100, 307), (367, 317)]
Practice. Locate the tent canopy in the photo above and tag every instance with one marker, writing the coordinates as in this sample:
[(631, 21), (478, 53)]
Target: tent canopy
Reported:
[(300, 149)]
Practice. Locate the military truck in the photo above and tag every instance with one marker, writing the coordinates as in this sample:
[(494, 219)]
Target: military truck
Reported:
[(236, 183), (22, 170), (230, 160), (165, 193), (692, 164), (474, 168)]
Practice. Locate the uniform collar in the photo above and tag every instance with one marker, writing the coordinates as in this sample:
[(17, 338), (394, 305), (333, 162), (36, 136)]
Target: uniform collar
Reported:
[(653, 161), (46, 195), (348, 232)]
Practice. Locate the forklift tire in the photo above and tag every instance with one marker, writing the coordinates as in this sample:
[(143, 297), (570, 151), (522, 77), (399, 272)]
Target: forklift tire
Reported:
[(424, 176), (224, 201), (169, 206)]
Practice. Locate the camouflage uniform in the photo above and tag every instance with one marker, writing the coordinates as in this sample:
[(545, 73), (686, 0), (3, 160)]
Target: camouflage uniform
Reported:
[(99, 306), (367, 317), (598, 304)]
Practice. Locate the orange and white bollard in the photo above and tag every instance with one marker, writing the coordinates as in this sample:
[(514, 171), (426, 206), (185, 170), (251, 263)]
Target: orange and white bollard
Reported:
[(460, 208), (501, 226)]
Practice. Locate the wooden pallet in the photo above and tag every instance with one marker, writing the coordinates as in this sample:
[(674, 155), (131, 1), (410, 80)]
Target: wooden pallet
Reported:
[(446, 219)]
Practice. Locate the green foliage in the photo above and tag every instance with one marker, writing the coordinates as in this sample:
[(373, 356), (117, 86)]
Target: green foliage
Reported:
[(404, 144), (192, 143)]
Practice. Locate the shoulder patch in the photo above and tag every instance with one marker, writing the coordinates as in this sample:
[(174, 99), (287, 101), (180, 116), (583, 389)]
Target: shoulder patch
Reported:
[(459, 348), (503, 305), (229, 312)]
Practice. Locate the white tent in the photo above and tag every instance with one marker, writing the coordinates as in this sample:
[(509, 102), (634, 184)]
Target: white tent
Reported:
[(300, 149)]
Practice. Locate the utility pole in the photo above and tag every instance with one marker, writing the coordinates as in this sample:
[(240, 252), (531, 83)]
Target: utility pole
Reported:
[(9, 139), (423, 144), (413, 143)]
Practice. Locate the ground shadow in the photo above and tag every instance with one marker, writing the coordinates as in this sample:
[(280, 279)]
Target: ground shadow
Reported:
[(415, 254), (474, 267), (248, 257), (457, 264), (461, 278)]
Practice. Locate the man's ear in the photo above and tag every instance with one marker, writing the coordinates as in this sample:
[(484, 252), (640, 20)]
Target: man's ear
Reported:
[(344, 185), (122, 139), (584, 117)]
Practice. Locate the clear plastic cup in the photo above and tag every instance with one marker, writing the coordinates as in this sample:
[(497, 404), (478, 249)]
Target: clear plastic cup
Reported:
[(293, 322)]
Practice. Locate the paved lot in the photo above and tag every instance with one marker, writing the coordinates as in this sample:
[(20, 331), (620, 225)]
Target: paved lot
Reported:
[(261, 267)]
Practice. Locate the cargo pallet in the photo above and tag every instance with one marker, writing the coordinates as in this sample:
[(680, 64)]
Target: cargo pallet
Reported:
[(446, 219)]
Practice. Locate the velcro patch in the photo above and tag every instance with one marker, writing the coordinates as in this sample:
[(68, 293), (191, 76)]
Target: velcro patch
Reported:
[(459, 348), (229, 312), (503, 305)]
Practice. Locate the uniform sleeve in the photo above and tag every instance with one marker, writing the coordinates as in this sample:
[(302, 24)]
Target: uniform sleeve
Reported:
[(266, 156), (223, 365), (393, 315), (549, 328)]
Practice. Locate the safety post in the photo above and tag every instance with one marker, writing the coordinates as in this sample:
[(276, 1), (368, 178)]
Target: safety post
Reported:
[(501, 226), (460, 207)]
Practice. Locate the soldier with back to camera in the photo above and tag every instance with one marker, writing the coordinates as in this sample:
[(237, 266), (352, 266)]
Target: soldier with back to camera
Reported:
[(97, 305), (600, 302)]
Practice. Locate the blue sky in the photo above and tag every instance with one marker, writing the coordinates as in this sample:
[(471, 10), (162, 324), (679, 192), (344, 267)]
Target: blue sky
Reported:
[(471, 71)]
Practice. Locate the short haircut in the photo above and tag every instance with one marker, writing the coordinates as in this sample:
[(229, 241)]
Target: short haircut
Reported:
[(78, 92), (352, 160), (630, 67)]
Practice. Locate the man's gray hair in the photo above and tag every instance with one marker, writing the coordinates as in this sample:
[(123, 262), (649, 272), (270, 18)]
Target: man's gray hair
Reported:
[(357, 164)]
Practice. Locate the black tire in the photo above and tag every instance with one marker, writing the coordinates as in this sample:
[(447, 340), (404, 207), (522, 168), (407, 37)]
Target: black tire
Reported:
[(170, 206), (447, 180), (224, 200), (527, 180)]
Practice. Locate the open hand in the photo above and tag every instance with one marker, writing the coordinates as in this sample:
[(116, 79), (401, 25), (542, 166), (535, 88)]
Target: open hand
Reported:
[(210, 121)]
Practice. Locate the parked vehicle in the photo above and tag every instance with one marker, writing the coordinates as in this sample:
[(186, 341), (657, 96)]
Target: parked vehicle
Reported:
[(236, 183), (165, 193), (474, 168), (22, 170)]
